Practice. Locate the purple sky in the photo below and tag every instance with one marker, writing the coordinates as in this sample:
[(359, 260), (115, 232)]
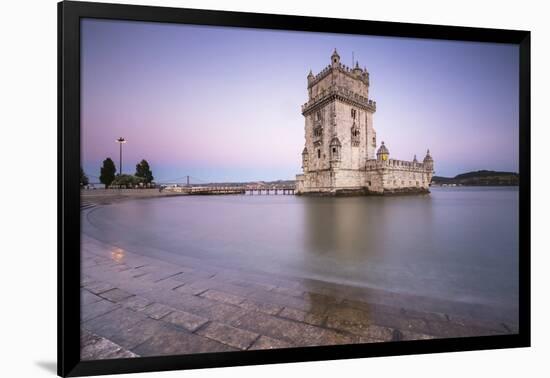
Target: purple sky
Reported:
[(223, 104)]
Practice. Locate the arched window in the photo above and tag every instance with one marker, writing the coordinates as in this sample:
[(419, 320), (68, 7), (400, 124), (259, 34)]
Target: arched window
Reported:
[(355, 136), (335, 146)]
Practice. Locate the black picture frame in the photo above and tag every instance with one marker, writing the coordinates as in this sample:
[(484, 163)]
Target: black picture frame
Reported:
[(69, 15)]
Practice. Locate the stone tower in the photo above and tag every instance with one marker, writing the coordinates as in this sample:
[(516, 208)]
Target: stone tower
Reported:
[(338, 118), (340, 141)]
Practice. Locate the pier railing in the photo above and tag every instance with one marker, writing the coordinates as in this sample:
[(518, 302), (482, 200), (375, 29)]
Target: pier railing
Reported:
[(233, 189)]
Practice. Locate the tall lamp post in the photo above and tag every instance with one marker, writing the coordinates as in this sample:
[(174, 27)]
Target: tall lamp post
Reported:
[(120, 141)]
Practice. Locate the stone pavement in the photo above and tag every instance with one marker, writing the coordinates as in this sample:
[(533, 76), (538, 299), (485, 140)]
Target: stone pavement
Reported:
[(133, 305)]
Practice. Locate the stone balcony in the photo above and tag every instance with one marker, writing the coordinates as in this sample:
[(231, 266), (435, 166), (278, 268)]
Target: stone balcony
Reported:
[(341, 93)]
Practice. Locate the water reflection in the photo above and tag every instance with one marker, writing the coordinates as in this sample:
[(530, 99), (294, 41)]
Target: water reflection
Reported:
[(117, 254), (366, 239)]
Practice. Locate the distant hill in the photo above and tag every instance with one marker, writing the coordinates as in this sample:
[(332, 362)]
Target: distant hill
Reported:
[(479, 178)]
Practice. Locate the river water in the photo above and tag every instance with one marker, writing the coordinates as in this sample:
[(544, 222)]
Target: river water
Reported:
[(459, 244)]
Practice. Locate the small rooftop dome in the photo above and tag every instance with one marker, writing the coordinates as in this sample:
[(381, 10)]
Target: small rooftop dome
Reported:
[(383, 150), (335, 142)]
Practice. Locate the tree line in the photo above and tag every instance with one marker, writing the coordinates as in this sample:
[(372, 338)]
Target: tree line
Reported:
[(108, 176)]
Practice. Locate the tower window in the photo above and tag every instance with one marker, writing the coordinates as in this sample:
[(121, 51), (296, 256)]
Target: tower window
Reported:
[(318, 131), (318, 116), (353, 113), (355, 136), (318, 154)]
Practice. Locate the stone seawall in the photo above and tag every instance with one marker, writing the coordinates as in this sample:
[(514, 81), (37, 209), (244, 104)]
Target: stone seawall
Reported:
[(364, 192)]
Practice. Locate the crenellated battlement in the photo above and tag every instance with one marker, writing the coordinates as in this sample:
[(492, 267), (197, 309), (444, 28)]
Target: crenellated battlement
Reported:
[(355, 73), (375, 164), (340, 93)]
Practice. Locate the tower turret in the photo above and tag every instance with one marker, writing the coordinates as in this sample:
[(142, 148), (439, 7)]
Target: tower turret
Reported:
[(429, 161), (335, 59), (383, 153), (310, 77), (305, 159), (357, 70)]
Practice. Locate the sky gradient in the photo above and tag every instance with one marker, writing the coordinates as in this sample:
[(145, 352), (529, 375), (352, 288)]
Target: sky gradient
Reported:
[(223, 104)]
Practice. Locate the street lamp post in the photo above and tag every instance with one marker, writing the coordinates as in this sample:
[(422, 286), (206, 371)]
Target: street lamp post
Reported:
[(120, 141)]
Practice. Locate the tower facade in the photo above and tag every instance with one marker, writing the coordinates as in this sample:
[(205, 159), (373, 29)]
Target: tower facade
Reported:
[(340, 140)]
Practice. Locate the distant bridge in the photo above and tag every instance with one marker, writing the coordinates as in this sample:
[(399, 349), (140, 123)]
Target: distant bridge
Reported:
[(233, 189)]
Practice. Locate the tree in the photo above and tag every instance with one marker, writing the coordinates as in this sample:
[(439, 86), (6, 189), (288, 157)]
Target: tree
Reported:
[(108, 171), (127, 181), (143, 171), (83, 178)]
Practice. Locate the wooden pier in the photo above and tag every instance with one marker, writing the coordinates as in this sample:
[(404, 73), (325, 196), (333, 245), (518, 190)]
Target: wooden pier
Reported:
[(225, 190)]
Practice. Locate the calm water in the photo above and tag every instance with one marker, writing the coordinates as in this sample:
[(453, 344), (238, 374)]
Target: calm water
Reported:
[(457, 243)]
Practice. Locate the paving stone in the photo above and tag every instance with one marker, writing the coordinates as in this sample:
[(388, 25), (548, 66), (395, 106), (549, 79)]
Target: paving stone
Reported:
[(226, 287), (259, 286), (157, 310), (99, 287), (302, 316), (401, 322), (265, 342), (87, 338), (135, 303), (94, 347), (222, 297), (101, 349), (171, 341), (114, 324), (289, 301), (186, 320), (337, 314), (299, 334), (92, 310), (121, 353), (180, 301), (407, 335), (267, 308), (138, 333), (86, 280), (358, 322), (189, 289), (87, 297), (231, 336), (115, 295), (221, 312), (193, 276), (166, 284)]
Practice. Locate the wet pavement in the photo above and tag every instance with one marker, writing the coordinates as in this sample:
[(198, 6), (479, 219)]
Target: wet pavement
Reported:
[(133, 305)]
